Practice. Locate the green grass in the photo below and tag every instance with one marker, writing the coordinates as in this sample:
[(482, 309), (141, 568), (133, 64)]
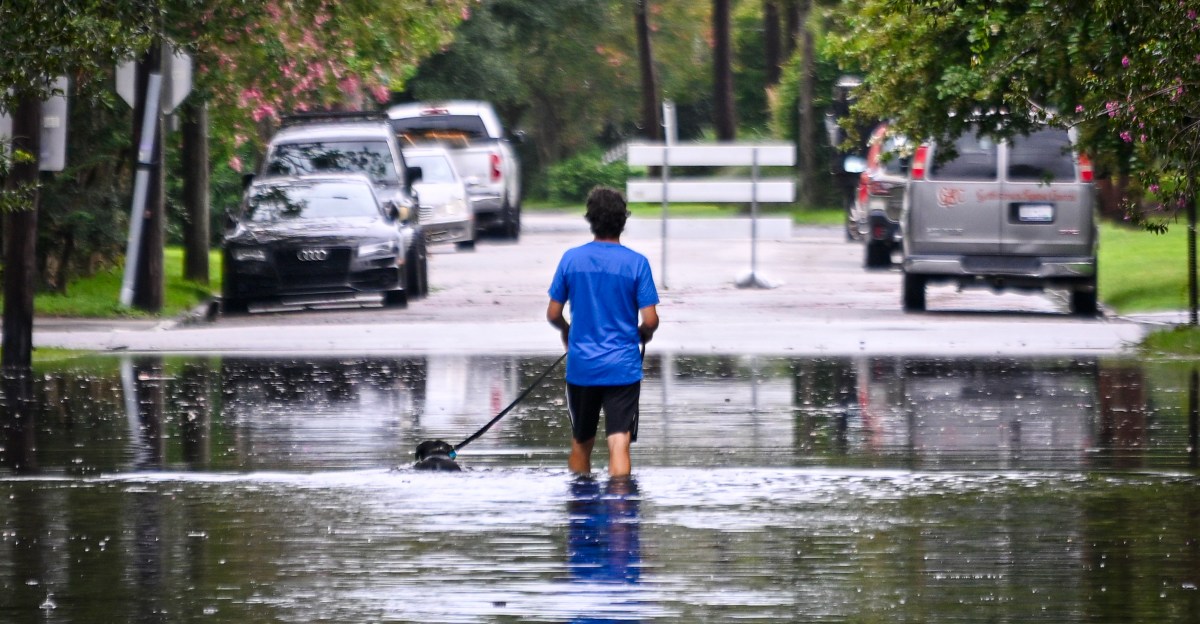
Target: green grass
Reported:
[(98, 296), (1178, 341), (1140, 271)]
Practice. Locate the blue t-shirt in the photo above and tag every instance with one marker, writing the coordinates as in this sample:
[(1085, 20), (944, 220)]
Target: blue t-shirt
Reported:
[(605, 285)]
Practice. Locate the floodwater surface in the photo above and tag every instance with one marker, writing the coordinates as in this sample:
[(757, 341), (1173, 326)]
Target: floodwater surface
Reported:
[(233, 490)]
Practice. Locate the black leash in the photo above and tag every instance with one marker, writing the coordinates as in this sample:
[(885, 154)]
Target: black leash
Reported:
[(520, 397)]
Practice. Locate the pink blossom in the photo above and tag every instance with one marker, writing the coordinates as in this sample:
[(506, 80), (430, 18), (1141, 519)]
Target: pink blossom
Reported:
[(235, 163), (1079, 108), (1112, 108), (1154, 188), (262, 112), (1125, 61), (381, 93), (466, 13), (1125, 136), (1142, 138)]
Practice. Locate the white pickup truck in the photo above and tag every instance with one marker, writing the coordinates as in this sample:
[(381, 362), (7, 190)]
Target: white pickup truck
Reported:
[(482, 152)]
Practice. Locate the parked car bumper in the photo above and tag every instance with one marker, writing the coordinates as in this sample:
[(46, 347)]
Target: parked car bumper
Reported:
[(449, 231), (1004, 271), (341, 276)]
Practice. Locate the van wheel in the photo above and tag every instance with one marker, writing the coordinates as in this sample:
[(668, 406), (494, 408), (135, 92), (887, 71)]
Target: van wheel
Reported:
[(1083, 302), (914, 292), (878, 255), (467, 245)]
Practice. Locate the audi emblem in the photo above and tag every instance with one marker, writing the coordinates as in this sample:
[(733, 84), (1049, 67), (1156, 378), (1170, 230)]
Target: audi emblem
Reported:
[(312, 255)]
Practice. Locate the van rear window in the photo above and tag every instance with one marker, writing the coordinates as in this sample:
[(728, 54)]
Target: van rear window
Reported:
[(975, 159), (1043, 156)]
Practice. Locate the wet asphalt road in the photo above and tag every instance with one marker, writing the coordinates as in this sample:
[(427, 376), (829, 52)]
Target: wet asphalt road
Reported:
[(492, 300)]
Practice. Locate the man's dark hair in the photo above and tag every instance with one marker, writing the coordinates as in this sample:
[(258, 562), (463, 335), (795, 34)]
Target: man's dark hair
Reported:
[(606, 212)]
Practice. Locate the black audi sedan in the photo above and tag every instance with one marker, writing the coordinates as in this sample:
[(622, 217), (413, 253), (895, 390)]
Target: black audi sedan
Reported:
[(315, 241)]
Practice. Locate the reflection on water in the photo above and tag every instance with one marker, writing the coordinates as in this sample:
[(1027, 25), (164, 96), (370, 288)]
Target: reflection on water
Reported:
[(144, 489)]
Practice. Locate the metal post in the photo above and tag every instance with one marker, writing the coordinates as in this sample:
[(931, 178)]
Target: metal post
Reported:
[(668, 141), (140, 186)]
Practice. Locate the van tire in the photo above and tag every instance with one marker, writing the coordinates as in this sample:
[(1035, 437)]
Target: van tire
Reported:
[(914, 293), (1083, 302), (877, 255)]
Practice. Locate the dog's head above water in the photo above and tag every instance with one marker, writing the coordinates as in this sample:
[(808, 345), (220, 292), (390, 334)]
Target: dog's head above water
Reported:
[(436, 455)]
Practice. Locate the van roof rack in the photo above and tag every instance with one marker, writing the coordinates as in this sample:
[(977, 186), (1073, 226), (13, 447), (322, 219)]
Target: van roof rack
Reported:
[(309, 117)]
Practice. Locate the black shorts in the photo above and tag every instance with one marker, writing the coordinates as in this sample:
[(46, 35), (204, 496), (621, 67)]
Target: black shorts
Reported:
[(620, 405)]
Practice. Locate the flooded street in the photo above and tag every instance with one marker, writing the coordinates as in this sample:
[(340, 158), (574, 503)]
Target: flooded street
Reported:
[(844, 489)]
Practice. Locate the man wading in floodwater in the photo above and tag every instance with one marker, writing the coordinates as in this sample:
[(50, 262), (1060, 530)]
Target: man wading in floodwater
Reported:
[(607, 285)]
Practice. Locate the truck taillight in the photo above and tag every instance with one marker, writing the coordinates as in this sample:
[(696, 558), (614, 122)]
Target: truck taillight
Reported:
[(862, 189), (918, 162), (495, 167), (1085, 168)]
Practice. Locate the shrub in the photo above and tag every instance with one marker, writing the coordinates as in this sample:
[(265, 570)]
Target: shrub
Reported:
[(571, 179)]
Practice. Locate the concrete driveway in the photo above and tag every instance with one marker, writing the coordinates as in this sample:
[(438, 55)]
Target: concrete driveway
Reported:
[(493, 300)]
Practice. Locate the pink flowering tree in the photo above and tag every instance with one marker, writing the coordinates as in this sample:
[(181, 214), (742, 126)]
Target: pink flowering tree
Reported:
[(258, 61)]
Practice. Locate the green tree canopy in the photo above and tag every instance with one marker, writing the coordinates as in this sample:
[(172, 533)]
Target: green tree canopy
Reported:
[(1127, 73)]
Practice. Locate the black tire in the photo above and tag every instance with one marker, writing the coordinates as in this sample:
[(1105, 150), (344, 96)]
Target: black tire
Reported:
[(234, 306), (1084, 303), (231, 304), (510, 226), (914, 293), (877, 254), (415, 273), (467, 245), (395, 299)]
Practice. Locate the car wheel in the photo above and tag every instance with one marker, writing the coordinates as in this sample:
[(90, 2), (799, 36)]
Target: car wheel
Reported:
[(231, 304), (914, 292), (395, 299), (510, 221), (877, 254), (1083, 301), (414, 269)]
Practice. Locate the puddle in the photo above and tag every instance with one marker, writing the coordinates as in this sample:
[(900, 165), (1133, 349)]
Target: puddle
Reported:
[(765, 489)]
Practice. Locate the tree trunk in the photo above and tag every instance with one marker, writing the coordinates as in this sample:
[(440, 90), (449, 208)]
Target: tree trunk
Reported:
[(807, 124), (651, 120), (148, 282), (771, 44), (791, 27), (195, 190), (20, 240), (724, 117)]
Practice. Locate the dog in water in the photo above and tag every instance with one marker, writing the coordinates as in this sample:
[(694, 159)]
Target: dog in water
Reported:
[(436, 455)]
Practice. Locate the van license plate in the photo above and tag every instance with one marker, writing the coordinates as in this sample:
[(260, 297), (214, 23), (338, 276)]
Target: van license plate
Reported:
[(1035, 213)]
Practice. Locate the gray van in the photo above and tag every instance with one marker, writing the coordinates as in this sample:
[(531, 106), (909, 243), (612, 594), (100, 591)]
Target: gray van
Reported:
[(1001, 214)]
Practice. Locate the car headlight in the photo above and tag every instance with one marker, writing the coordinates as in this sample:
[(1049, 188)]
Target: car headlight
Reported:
[(455, 207), (377, 249), (250, 254)]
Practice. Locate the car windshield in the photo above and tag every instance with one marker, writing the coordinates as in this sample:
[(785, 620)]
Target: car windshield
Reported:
[(434, 168), (327, 200), (975, 159), (373, 158), (1042, 156)]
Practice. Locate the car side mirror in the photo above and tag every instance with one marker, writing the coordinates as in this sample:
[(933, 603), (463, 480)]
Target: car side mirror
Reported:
[(854, 164), (415, 175), (247, 180), (231, 219), (518, 137)]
